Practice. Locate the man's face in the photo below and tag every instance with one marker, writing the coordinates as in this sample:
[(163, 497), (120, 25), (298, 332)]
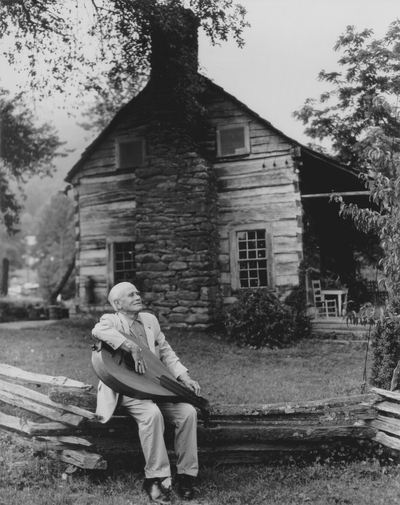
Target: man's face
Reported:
[(130, 301)]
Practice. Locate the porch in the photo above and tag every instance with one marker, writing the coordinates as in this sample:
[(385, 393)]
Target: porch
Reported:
[(336, 328)]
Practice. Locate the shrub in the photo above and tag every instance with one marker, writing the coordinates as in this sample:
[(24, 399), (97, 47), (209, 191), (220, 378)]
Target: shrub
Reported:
[(259, 319), (298, 303), (13, 311), (386, 347)]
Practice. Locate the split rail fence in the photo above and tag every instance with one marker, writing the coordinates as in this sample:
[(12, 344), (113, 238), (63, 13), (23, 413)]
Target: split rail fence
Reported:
[(62, 423)]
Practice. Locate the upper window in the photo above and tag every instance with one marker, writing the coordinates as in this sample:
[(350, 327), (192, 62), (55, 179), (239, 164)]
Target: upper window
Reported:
[(124, 262), (251, 257), (131, 152), (233, 140)]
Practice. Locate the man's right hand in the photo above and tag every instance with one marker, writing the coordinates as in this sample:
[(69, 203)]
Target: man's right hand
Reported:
[(136, 353)]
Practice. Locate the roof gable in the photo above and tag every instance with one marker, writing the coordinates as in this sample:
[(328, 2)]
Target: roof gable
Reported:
[(346, 177)]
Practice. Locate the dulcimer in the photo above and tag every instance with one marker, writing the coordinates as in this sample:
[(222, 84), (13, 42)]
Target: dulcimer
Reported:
[(116, 368)]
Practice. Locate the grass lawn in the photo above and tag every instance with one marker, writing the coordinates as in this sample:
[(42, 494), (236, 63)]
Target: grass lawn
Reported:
[(309, 370)]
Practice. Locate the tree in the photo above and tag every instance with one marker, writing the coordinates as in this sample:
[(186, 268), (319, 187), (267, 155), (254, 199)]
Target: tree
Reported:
[(95, 44), (363, 125), (364, 100), (25, 150), (55, 236)]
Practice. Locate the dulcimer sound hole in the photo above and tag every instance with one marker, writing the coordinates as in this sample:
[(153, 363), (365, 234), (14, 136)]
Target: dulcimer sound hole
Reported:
[(128, 361)]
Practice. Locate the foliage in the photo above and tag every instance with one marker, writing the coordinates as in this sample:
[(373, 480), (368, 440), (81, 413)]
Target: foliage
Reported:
[(383, 219), (25, 150), (365, 316), (104, 43), (259, 319), (363, 124), (360, 99), (15, 311), (332, 282), (55, 235), (106, 102), (386, 349), (297, 302)]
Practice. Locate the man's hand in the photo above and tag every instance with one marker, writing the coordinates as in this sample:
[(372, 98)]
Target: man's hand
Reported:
[(190, 383), (136, 353)]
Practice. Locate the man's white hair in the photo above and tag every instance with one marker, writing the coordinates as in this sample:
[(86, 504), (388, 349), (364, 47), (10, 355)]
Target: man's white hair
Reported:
[(116, 292)]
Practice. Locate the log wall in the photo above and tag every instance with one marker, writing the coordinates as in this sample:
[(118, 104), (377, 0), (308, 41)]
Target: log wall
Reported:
[(180, 209), (257, 190)]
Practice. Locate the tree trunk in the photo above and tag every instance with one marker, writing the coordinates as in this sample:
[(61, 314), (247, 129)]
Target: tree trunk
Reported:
[(4, 277), (53, 296)]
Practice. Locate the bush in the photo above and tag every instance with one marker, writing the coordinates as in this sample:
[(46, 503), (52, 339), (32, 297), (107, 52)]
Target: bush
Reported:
[(259, 319), (298, 303), (13, 311), (386, 347)]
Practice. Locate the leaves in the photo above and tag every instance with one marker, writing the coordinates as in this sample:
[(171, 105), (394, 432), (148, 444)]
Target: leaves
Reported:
[(85, 44), (259, 319), (25, 150), (363, 97)]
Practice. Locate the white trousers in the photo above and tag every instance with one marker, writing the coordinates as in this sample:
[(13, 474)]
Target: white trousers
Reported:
[(150, 418)]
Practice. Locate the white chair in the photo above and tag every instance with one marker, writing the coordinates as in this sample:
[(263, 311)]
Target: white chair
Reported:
[(324, 306)]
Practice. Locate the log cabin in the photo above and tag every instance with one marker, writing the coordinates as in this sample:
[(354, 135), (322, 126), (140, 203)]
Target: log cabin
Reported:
[(193, 201)]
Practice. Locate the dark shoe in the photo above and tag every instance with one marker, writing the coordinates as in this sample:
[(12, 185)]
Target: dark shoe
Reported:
[(185, 486), (155, 491)]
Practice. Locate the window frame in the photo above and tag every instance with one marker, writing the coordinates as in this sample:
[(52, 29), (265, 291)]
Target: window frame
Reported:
[(240, 152), (111, 257), (234, 254), (128, 140)]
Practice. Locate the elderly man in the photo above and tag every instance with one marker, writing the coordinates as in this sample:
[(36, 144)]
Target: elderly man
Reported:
[(144, 330)]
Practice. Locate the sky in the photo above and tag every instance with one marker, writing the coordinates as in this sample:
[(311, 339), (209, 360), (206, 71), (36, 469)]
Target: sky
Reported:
[(288, 43)]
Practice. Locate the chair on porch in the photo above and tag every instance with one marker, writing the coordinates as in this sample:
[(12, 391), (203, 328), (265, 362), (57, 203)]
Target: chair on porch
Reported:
[(324, 306)]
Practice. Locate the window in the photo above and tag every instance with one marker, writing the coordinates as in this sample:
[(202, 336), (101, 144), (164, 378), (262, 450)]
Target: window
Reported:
[(121, 262), (233, 140), (131, 152), (251, 258)]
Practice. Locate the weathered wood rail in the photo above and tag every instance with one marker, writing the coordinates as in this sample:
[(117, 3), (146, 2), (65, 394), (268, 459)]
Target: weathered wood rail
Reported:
[(62, 423)]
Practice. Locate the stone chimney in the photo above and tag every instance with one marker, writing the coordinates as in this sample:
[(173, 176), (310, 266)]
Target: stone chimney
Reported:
[(176, 222), (174, 42)]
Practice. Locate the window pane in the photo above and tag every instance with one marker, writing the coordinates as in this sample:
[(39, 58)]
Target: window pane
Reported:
[(263, 278), (232, 139), (130, 153)]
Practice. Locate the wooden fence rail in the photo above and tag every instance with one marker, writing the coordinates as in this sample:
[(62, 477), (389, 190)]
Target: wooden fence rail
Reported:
[(62, 422)]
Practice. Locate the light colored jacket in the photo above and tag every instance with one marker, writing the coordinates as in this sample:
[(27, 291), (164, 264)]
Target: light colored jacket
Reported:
[(108, 330)]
